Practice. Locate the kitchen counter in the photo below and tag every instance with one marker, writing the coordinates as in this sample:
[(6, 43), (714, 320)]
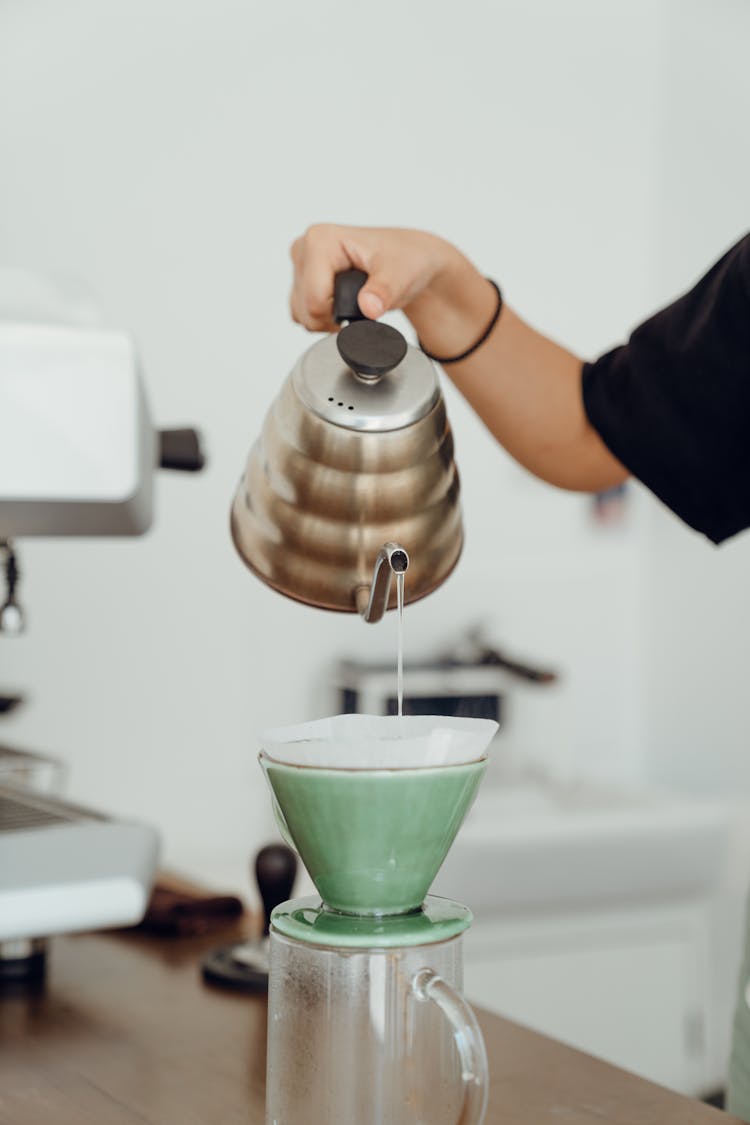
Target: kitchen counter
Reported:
[(126, 1033)]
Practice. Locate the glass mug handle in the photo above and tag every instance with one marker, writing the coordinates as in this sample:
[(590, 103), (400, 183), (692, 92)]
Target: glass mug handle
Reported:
[(469, 1042)]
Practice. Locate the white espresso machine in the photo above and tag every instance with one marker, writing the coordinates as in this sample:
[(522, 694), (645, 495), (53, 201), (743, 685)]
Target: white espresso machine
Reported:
[(78, 452)]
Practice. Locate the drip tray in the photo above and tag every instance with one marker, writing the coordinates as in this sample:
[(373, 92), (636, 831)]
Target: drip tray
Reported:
[(64, 868)]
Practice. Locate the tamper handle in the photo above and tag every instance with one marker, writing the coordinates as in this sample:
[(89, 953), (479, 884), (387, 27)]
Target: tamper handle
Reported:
[(275, 870)]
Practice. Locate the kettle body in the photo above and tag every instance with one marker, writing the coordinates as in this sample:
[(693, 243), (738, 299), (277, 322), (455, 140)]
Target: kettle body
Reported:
[(353, 454)]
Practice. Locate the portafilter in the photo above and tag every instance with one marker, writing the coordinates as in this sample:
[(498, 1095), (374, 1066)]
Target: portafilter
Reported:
[(353, 476)]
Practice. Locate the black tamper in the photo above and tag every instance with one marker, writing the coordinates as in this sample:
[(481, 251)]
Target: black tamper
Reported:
[(244, 965)]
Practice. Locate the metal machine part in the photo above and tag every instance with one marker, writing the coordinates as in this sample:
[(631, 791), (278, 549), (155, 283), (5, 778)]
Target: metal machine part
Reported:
[(475, 649), (23, 961), (32, 773), (64, 868), (471, 678), (349, 458), (430, 688), (12, 620), (78, 450)]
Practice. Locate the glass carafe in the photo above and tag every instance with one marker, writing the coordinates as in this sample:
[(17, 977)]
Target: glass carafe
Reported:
[(362, 1033)]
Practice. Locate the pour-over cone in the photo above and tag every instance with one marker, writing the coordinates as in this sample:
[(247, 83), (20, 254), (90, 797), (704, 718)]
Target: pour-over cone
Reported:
[(373, 804)]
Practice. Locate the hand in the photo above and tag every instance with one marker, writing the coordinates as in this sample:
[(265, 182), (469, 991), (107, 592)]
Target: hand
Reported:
[(525, 387), (402, 265)]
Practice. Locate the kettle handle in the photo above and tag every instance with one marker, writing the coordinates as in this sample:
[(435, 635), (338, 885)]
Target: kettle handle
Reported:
[(346, 286)]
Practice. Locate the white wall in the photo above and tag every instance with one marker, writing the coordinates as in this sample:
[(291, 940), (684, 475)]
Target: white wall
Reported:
[(697, 655), (167, 151)]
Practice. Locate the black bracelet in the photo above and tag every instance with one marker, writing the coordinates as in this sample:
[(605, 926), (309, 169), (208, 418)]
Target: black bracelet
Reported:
[(443, 360)]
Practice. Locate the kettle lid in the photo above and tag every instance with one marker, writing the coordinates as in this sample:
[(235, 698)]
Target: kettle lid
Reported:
[(367, 377), (332, 390)]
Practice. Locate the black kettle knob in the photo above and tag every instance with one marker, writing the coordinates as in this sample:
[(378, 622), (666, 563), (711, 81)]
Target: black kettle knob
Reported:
[(275, 871), (370, 348), (346, 287)]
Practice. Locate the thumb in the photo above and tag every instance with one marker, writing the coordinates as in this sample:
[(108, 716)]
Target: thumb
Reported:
[(375, 297)]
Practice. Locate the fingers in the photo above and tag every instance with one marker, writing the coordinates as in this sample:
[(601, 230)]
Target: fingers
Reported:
[(375, 297), (317, 257), (371, 303), (389, 281), (302, 315), (364, 249), (322, 252), (399, 264)]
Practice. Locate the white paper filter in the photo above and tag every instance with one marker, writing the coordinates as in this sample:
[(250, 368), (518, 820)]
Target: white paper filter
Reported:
[(369, 742)]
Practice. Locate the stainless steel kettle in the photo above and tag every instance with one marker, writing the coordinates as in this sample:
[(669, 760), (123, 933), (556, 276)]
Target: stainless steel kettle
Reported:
[(353, 476)]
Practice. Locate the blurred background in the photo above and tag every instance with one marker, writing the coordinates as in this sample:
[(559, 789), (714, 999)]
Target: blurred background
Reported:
[(593, 158)]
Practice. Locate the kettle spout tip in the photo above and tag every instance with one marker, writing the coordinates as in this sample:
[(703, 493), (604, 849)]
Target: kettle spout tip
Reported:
[(373, 602)]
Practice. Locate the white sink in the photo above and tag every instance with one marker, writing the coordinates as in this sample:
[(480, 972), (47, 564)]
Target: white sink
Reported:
[(531, 843)]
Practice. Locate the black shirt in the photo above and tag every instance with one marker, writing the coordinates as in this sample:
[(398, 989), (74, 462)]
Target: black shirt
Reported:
[(673, 404)]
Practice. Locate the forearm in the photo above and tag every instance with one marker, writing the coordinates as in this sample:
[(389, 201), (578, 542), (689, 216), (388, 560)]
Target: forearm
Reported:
[(525, 387)]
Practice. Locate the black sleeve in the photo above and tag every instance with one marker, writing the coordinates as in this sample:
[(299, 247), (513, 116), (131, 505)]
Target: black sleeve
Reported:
[(673, 404)]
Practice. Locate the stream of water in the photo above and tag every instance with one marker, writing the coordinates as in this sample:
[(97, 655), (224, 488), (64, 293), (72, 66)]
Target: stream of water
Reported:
[(400, 643)]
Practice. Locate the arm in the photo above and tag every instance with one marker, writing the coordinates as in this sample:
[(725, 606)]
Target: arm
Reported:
[(524, 387)]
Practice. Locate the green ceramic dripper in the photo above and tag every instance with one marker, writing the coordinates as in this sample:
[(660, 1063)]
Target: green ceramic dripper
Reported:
[(372, 804)]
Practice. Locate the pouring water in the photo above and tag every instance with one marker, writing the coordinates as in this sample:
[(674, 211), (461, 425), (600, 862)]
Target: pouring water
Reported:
[(400, 643)]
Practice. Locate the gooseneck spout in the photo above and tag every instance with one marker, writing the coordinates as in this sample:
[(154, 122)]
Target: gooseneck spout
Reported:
[(373, 602)]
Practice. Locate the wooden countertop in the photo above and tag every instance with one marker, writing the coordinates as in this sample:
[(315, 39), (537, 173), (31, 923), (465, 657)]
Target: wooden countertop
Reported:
[(126, 1033)]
